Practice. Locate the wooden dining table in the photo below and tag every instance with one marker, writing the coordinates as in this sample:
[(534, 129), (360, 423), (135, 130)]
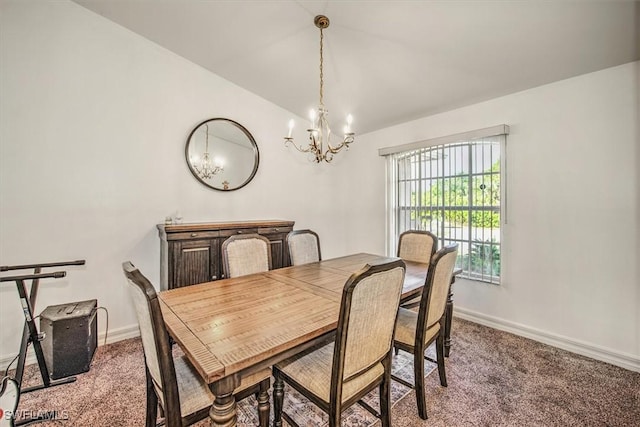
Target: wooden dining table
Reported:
[(231, 328)]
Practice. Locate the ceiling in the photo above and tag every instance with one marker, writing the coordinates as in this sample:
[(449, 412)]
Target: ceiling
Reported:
[(387, 62)]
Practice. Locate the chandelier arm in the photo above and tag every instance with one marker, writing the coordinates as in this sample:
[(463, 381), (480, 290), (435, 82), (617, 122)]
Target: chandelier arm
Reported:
[(302, 150), (348, 139)]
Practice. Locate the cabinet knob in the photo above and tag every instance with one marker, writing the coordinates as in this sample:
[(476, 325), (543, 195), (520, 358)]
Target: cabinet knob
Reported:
[(276, 230), (194, 234), (214, 277), (239, 231)]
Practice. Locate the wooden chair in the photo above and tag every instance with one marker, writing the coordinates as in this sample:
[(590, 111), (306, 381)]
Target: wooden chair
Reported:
[(416, 246), (339, 374), (304, 247), (183, 396), (416, 331), (245, 254)]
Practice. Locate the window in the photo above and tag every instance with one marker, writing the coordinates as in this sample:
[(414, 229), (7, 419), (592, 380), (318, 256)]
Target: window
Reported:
[(452, 189)]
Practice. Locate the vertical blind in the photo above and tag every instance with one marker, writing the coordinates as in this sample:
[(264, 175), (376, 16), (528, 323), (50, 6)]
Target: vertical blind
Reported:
[(453, 187)]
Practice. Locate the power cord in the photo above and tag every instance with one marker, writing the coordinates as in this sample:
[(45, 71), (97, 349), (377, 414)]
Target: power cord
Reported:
[(6, 372), (106, 330)]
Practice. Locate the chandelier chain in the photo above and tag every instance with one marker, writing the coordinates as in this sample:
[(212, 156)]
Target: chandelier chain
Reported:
[(206, 147), (321, 68)]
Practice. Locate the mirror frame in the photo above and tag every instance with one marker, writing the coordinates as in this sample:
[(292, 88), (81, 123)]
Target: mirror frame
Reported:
[(256, 157)]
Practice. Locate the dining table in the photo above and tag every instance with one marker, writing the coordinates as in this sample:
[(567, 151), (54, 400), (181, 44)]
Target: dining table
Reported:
[(231, 328)]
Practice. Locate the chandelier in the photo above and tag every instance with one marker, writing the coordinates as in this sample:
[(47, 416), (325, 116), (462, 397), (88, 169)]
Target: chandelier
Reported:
[(319, 146), (206, 168)]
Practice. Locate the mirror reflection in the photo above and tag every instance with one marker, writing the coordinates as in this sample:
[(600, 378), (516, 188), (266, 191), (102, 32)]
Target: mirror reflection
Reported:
[(222, 154)]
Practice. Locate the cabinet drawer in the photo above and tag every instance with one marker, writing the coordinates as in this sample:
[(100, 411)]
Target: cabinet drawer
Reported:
[(274, 230), (193, 235), (235, 231)]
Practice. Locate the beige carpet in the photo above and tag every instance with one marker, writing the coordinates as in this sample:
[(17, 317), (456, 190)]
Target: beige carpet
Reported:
[(495, 379), (112, 394)]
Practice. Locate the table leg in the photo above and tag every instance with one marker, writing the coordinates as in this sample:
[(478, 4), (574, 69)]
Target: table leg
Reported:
[(223, 411), (448, 318), (278, 398), (263, 404)]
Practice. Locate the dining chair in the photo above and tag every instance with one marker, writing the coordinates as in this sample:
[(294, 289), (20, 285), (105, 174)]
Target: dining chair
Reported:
[(339, 374), (416, 331), (304, 247), (172, 383), (244, 254), (417, 246)]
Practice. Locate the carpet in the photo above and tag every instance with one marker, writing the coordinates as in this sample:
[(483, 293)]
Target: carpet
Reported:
[(495, 379), (112, 393)]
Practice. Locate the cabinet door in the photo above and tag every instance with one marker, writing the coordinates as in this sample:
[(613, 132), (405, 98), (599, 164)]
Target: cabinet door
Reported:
[(279, 251), (279, 258), (195, 261)]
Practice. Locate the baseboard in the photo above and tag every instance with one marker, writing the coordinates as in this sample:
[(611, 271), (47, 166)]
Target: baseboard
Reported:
[(114, 335), (623, 360)]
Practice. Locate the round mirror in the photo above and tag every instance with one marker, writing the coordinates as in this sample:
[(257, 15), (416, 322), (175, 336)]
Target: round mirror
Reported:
[(222, 154)]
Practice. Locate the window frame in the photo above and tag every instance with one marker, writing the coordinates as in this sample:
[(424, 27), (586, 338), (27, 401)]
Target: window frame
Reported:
[(442, 145)]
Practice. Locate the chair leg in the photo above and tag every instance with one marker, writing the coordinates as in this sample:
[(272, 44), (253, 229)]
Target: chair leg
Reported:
[(418, 372), (440, 351), (152, 402), (278, 399), (263, 403), (385, 399), (335, 416)]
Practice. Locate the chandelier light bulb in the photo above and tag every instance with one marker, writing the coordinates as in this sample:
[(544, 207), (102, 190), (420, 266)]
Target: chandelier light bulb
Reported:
[(347, 128), (312, 116), (291, 123)]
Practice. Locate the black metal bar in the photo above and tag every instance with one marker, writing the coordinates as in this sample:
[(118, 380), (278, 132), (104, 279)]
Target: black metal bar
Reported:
[(33, 331), (22, 356), (24, 344), (54, 275), (44, 265), (51, 384)]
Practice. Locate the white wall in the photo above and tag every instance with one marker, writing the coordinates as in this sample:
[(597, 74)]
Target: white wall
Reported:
[(571, 248), (93, 124)]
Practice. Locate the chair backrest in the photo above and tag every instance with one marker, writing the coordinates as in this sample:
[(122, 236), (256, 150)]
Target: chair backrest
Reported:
[(155, 341), (304, 247), (245, 254), (434, 299), (417, 246), (368, 313)]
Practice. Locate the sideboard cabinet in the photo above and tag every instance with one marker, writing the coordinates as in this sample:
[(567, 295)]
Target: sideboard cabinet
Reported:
[(190, 253)]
